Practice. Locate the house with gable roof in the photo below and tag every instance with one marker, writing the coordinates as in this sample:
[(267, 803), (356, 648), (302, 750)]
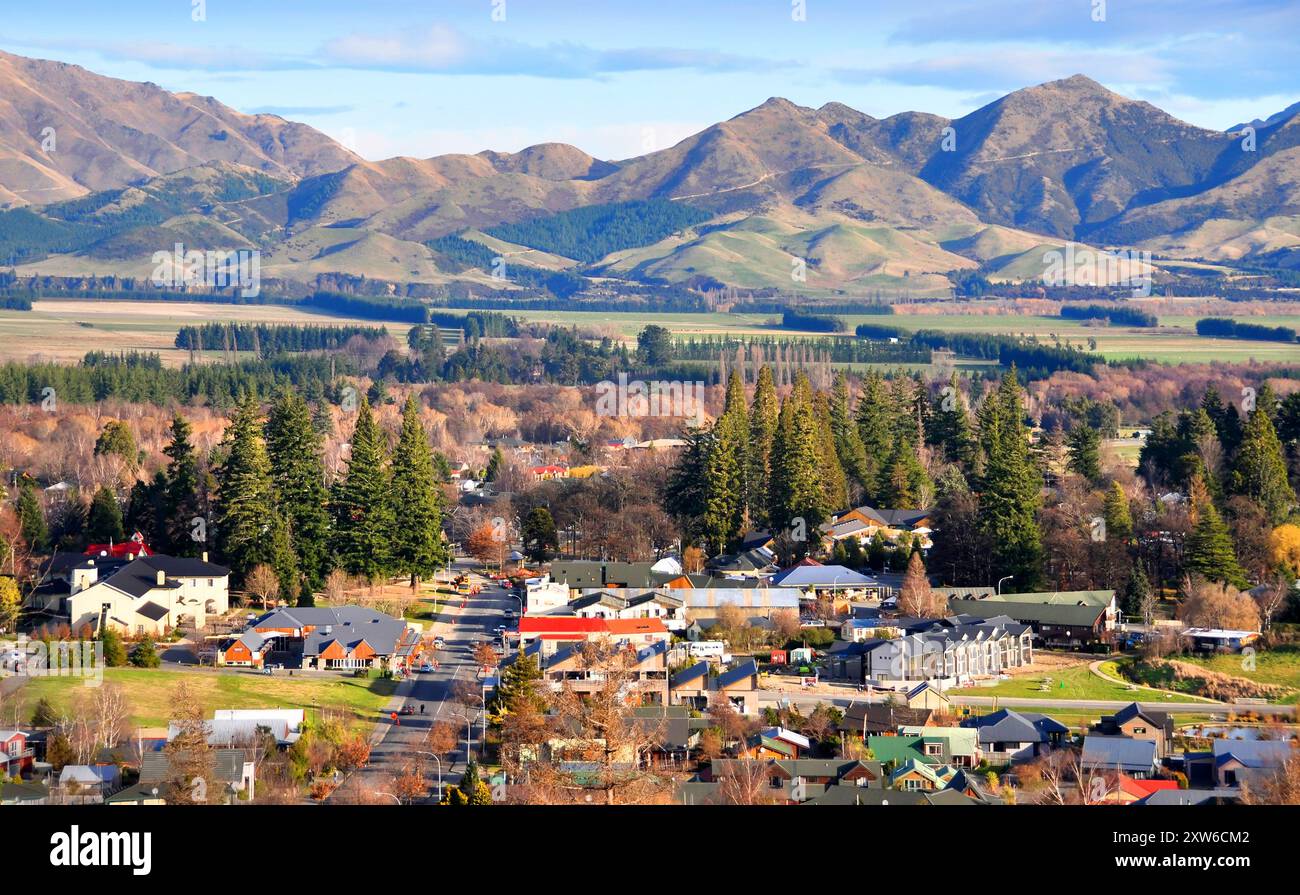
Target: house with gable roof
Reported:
[(1007, 736), (342, 637)]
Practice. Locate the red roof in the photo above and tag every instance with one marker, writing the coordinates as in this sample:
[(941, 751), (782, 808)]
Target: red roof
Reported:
[(135, 546), (547, 626), (1144, 788)]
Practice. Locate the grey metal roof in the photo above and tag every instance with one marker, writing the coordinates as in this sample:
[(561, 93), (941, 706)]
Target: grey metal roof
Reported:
[(1009, 726), (1040, 613), (1122, 753)]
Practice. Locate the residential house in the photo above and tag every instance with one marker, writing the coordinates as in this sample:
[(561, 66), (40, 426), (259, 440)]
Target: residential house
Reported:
[(1007, 736), (148, 595), (1058, 626), (793, 781), (1140, 724), (663, 604), (867, 719), (837, 583), (690, 686), (16, 755), (1137, 758), (947, 652), (1218, 640), (234, 772), (864, 522), (775, 742), (956, 746), (739, 685), (1229, 763), (88, 784), (554, 631), (913, 775), (342, 637), (1129, 790), (645, 666)]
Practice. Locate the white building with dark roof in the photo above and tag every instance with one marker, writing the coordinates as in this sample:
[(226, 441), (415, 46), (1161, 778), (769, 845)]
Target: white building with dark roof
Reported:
[(147, 595)]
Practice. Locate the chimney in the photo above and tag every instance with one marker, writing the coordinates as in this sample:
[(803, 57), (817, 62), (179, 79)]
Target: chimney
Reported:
[(162, 577)]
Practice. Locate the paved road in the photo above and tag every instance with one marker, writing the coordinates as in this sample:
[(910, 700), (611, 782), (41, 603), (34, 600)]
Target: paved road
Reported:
[(395, 744), (772, 698)]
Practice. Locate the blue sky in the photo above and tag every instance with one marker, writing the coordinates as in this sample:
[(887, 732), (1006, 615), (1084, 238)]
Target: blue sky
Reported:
[(618, 77)]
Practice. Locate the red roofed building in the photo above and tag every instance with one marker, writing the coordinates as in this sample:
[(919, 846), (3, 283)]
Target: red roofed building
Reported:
[(1130, 790), (126, 549), (554, 630)]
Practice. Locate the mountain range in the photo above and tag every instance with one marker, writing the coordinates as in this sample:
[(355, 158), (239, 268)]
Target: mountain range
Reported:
[(97, 174)]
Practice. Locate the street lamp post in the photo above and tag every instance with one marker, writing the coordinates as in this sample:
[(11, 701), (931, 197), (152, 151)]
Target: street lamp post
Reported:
[(439, 761), (1000, 580)]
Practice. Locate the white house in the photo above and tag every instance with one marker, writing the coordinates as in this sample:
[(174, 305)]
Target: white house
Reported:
[(149, 594)]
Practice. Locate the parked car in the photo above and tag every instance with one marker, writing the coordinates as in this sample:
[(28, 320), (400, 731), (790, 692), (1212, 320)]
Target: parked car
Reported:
[(439, 643), (426, 668)]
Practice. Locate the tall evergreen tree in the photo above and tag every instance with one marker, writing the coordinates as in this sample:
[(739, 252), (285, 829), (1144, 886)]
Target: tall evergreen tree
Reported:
[(950, 426), (844, 430), (834, 481), (298, 473), (1117, 515), (363, 515), (1010, 488), (797, 492), (1208, 551), (764, 414), (418, 549), (31, 517), (1085, 452), (250, 529), (685, 495), (104, 521), (182, 498), (724, 470), (876, 426), (1259, 471)]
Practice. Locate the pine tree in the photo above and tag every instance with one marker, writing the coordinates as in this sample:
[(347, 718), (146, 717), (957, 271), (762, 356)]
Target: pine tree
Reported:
[(1085, 452), (249, 524), (540, 537), (1259, 471), (418, 549), (950, 426), (1117, 515), (724, 470), (363, 517), (796, 491), (293, 445), (1208, 551), (685, 495), (1136, 600), (764, 415), (496, 463), (181, 500), (1010, 488), (104, 521), (875, 420), (35, 531), (834, 481), (844, 430)]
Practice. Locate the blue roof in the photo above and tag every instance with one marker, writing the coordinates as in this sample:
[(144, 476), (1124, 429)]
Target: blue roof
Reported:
[(745, 669), (1252, 753), (821, 576), (1121, 753), (699, 669)]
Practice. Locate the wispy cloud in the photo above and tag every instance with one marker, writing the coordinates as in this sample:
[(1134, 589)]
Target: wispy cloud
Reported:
[(442, 49)]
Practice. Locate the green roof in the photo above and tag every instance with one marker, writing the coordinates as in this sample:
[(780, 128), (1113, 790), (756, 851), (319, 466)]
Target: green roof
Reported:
[(1058, 597)]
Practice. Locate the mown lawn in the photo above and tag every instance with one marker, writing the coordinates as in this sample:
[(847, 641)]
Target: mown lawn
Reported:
[(148, 691), (1075, 682)]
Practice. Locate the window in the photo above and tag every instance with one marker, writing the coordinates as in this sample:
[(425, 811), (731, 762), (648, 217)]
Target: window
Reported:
[(933, 748), (775, 783), (1137, 731)]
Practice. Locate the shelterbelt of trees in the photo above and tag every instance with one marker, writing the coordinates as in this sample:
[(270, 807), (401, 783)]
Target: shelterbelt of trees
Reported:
[(1214, 501)]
